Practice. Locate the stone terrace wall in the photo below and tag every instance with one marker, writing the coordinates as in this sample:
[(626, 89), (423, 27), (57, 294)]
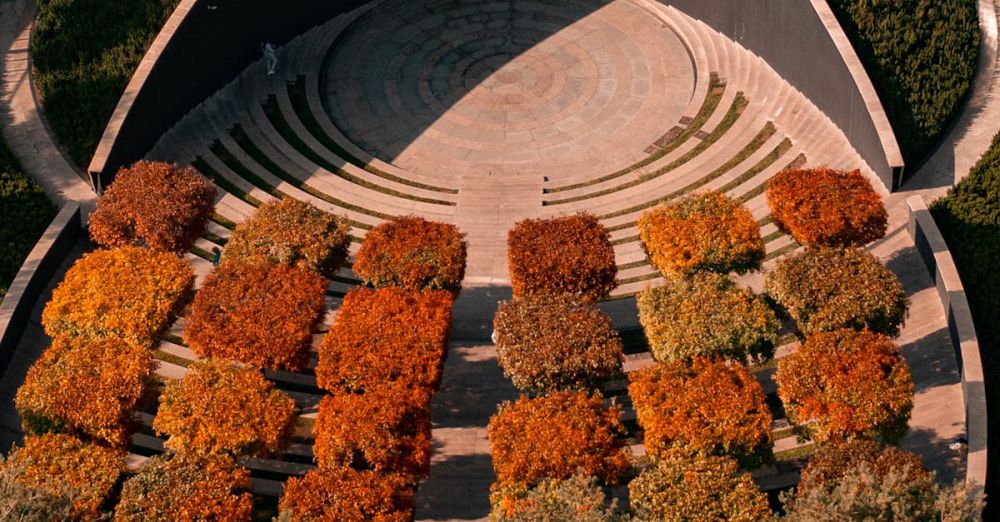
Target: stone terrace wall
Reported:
[(203, 46), (803, 42), (933, 250)]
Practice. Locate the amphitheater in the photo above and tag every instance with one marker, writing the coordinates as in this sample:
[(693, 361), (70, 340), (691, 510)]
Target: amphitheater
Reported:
[(482, 113)]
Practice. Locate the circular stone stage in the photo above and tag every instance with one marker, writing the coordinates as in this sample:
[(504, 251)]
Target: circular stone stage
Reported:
[(448, 89)]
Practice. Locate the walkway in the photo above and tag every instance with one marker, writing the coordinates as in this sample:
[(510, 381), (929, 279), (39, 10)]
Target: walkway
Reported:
[(23, 129)]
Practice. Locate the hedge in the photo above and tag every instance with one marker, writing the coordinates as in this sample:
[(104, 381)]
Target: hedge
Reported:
[(708, 406), (921, 56), (707, 315), (385, 431), (26, 503), (411, 252), (846, 384), (556, 436), (827, 288), (48, 462), (826, 207), (81, 71), (708, 231), (26, 214), (89, 388), (127, 293), (347, 495), (563, 255), (159, 205), (969, 218), (692, 486), (291, 231), (578, 499), (388, 336), (186, 487), (221, 408), (548, 342), (258, 314)]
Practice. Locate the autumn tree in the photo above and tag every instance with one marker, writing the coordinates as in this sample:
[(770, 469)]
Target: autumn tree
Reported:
[(88, 387), (578, 498), (846, 384), (258, 314), (219, 407), (702, 232), (826, 289), (554, 437), (707, 315), (59, 466), (414, 253), (388, 336), (388, 430), (569, 255), (289, 231), (347, 495), (125, 293), (826, 207), (159, 205), (698, 487), (709, 406), (186, 488), (549, 342)]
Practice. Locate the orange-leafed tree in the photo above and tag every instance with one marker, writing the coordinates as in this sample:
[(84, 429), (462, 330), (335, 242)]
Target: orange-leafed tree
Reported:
[(127, 293), (692, 486), (187, 488), (347, 495), (388, 336), (412, 252), (825, 289), (826, 207), (708, 406), (569, 255), (388, 430), (551, 342), (219, 407), (159, 205), (847, 384), (706, 314), (702, 232), (289, 231), (86, 387), (555, 436), (49, 463), (258, 314), (833, 460)]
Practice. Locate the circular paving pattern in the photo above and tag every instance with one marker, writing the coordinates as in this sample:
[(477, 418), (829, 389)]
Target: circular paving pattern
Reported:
[(447, 88)]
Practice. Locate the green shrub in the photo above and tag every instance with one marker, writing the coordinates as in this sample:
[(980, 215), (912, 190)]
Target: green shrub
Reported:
[(969, 217), (26, 214), (827, 289), (547, 342), (921, 56), (84, 53), (707, 314)]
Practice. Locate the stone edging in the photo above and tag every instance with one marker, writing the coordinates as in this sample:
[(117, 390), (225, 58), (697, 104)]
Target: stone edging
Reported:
[(142, 74), (933, 250), (36, 272), (872, 103)]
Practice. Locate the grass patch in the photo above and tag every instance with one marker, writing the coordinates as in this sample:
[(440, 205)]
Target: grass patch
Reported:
[(300, 103), (171, 358), (203, 167), (277, 119), (716, 88)]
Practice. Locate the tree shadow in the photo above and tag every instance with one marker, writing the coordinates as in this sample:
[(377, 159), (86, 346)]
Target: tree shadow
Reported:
[(458, 489), (936, 454)]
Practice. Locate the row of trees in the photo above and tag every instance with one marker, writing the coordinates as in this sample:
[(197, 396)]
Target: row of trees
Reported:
[(381, 361)]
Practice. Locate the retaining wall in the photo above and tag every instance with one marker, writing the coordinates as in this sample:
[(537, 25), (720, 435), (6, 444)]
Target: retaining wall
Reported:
[(931, 245), (805, 44), (37, 271)]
